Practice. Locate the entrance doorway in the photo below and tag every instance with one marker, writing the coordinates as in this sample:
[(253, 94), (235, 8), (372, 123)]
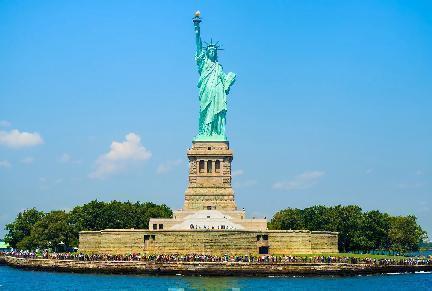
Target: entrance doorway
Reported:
[(263, 250)]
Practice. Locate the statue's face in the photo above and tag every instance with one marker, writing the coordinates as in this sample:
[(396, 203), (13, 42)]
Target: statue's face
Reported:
[(212, 54)]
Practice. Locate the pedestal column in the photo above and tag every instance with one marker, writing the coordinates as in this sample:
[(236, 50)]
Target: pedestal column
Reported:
[(209, 189)]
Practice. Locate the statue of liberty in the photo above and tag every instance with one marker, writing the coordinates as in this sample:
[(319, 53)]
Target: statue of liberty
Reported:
[(214, 86)]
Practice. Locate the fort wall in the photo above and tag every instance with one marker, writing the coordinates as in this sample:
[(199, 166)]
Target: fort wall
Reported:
[(214, 242)]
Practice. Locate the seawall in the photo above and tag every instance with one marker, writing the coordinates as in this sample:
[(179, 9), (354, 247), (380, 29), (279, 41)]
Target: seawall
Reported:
[(209, 268)]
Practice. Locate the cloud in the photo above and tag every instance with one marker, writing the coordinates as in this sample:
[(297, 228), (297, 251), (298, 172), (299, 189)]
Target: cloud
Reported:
[(120, 156), (410, 185), (5, 123), (369, 171), (167, 166), (27, 160), (245, 184), (237, 173), (49, 183), (419, 173), (302, 181), (4, 164), (17, 139), (66, 158)]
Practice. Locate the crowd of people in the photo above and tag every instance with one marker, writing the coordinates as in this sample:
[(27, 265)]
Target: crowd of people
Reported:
[(225, 258)]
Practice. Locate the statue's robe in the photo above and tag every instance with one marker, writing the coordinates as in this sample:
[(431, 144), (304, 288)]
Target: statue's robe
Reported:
[(213, 86)]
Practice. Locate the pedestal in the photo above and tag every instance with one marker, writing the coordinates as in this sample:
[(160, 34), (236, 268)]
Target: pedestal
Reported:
[(209, 185)]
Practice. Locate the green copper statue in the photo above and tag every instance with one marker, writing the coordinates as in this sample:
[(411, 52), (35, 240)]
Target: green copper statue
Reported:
[(214, 86)]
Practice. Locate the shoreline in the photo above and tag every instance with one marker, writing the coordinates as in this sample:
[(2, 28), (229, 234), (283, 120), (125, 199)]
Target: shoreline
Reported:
[(208, 268)]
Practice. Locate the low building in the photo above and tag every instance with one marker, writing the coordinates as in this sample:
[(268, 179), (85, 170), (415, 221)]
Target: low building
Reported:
[(4, 247)]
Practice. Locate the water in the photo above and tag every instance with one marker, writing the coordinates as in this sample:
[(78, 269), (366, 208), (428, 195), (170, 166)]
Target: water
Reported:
[(14, 279)]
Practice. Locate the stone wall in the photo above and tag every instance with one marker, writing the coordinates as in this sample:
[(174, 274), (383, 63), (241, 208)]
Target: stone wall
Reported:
[(90, 240), (215, 242), (324, 242), (112, 241), (209, 268), (201, 242), (290, 242)]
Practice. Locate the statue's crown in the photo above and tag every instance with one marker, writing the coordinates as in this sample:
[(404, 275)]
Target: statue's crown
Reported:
[(213, 45)]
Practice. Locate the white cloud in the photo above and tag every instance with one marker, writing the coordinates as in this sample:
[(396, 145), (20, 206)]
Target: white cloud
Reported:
[(5, 164), (27, 160), (65, 158), (167, 166), (120, 156), (410, 185), (5, 123), (17, 139), (49, 183), (245, 184), (237, 173), (302, 181)]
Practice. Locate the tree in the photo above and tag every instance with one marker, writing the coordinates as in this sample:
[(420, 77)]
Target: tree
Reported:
[(98, 215), (88, 216), (34, 229), (358, 230), (148, 210), (375, 226), (317, 218), (52, 230), (405, 234), (20, 228), (290, 218)]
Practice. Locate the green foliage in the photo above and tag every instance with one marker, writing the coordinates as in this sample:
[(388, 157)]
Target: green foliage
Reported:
[(405, 234), (290, 218), (98, 215), (35, 229), (51, 231), (20, 228), (358, 230)]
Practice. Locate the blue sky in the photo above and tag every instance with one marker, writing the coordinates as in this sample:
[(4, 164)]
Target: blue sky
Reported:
[(332, 103)]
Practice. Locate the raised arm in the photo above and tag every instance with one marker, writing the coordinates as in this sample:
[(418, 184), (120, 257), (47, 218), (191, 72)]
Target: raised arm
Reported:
[(198, 41)]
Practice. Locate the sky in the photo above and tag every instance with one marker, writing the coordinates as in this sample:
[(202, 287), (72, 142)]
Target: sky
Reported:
[(332, 103)]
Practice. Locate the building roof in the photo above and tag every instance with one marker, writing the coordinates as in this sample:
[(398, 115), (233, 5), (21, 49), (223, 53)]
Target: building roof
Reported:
[(4, 245)]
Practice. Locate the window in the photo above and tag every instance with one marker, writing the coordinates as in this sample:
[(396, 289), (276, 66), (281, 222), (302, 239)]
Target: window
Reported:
[(209, 208), (263, 250), (161, 226), (265, 237), (258, 237), (209, 148), (208, 216), (153, 237), (209, 166), (201, 166), (217, 166), (146, 237), (155, 226)]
